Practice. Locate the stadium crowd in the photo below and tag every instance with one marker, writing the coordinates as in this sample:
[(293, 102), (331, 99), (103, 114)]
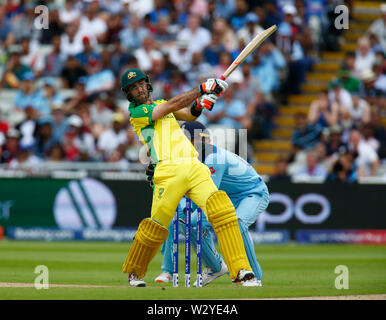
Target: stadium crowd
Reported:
[(68, 105)]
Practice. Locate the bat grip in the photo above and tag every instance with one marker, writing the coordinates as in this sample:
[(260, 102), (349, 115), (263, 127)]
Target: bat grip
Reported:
[(222, 78)]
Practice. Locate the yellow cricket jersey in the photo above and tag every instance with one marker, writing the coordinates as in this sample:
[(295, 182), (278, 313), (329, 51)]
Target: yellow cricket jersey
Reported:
[(163, 138)]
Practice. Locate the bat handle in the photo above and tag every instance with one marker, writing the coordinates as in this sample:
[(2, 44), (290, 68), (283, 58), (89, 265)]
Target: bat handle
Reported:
[(222, 78)]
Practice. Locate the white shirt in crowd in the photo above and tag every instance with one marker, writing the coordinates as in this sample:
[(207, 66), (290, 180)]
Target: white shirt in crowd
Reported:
[(145, 58), (198, 40), (344, 98), (92, 28), (366, 156), (363, 63), (109, 140)]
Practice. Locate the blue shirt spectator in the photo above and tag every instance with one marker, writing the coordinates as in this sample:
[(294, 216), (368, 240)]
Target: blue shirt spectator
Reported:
[(305, 136)]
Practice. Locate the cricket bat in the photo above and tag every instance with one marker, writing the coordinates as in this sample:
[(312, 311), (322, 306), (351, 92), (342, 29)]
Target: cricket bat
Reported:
[(255, 42)]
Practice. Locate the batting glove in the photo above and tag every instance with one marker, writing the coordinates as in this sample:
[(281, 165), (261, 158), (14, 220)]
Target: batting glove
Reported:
[(150, 174), (216, 86), (208, 100)]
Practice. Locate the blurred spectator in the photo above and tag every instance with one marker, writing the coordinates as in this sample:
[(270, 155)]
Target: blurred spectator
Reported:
[(224, 62), (364, 58), (178, 83), (380, 82), (226, 34), (44, 139), (267, 62), (313, 168), (323, 112), (100, 113), (26, 95), (72, 72), (117, 157), (25, 156), (14, 71), (213, 50), (198, 36), (46, 97), (378, 27), (119, 58), (71, 40), (305, 136), (337, 94), (334, 144), (114, 27), (55, 27), (88, 53), (80, 96), (379, 132), (368, 136), (163, 35), (228, 112), (197, 69), (23, 25), (349, 65), (270, 14), (159, 11), (11, 146), (238, 18), (208, 19), (343, 169), (133, 35), (369, 91), (366, 160), (133, 146), (180, 55), (294, 55), (56, 153), (28, 126), (251, 28), (146, 53), (69, 13), (6, 37), (31, 57), (140, 8), (248, 85), (110, 139), (280, 174), (55, 60), (350, 83), (91, 24), (98, 79), (59, 122), (360, 111), (77, 138)]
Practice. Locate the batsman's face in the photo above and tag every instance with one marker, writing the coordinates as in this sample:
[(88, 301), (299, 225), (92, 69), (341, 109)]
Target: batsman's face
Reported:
[(139, 91)]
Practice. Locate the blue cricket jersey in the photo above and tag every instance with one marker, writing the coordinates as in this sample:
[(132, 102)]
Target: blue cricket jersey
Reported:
[(233, 175)]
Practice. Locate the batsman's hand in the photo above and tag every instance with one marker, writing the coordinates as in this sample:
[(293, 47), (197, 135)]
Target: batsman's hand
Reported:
[(150, 174), (207, 101), (212, 85)]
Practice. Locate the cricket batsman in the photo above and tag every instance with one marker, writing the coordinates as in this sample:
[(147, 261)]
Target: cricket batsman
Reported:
[(178, 172), (245, 188)]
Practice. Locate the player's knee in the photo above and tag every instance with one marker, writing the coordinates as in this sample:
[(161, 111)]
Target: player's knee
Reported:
[(151, 233), (220, 209)]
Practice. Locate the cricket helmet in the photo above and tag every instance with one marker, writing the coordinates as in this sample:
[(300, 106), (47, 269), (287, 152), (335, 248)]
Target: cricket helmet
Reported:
[(131, 76)]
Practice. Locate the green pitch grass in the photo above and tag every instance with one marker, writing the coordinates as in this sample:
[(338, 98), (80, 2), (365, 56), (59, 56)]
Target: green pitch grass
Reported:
[(289, 271)]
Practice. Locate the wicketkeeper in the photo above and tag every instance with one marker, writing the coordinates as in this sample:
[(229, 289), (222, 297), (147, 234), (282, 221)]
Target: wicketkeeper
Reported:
[(178, 172)]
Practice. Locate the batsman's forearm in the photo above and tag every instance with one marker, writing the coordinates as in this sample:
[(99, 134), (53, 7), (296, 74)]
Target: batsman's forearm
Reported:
[(184, 99)]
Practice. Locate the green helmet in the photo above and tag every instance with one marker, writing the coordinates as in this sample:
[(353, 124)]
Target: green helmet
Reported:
[(131, 76)]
